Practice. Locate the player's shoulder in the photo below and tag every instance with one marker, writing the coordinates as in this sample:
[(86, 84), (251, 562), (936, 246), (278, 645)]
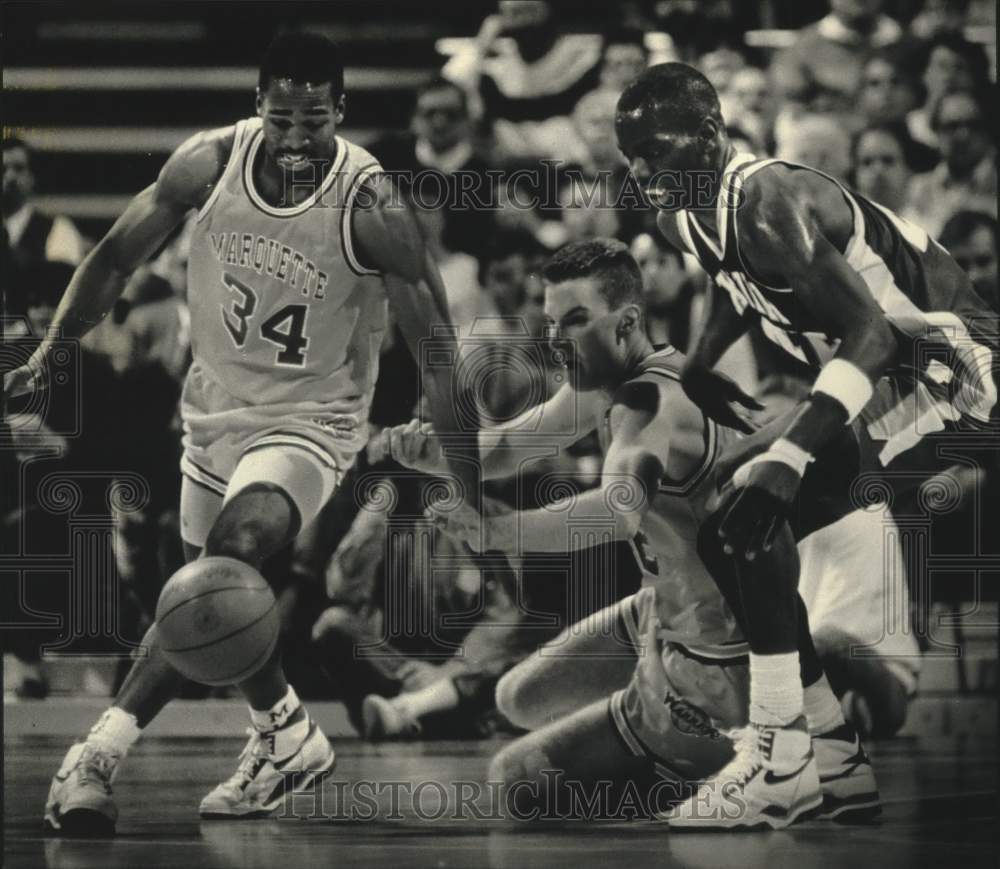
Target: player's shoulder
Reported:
[(197, 164), (654, 392), (357, 158), (779, 190)]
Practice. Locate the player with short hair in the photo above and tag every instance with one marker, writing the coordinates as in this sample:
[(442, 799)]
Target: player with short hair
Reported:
[(815, 266), (690, 682), (299, 245)]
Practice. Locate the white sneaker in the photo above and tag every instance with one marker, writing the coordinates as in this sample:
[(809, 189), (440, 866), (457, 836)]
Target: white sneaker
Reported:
[(850, 792), (382, 720), (80, 801), (261, 783), (770, 783)]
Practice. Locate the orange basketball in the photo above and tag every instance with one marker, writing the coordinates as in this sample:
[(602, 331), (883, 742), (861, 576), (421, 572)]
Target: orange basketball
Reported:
[(217, 620)]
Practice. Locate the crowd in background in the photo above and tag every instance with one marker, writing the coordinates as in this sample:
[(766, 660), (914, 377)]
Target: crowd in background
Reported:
[(890, 99)]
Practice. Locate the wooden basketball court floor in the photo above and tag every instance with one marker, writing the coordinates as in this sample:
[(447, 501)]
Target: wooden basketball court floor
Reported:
[(940, 810)]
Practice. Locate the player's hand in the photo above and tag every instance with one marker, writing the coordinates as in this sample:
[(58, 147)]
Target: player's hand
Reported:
[(720, 398), (22, 380), (759, 506), (414, 445), (461, 523)]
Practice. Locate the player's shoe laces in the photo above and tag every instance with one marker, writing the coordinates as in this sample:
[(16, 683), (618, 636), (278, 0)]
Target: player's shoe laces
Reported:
[(846, 776), (80, 801), (384, 720), (770, 783), (262, 782)]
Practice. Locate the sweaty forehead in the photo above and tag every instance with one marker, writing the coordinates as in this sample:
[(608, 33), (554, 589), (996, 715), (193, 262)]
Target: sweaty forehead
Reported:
[(285, 95), (565, 296), (643, 124)]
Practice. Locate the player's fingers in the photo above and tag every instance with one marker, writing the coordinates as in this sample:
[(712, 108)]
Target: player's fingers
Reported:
[(770, 533)]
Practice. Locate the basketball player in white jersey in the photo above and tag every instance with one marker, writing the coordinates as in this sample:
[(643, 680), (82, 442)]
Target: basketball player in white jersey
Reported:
[(690, 681), (298, 248)]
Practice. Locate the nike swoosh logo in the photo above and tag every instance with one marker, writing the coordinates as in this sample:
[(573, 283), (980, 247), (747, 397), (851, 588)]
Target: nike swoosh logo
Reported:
[(773, 778)]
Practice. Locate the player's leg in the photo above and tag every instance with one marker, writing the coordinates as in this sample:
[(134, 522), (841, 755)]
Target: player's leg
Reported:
[(79, 799), (576, 766), (586, 662), (583, 663), (273, 492), (774, 769)]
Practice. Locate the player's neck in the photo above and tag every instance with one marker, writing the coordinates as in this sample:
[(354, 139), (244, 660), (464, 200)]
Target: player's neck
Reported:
[(706, 205), (284, 189)]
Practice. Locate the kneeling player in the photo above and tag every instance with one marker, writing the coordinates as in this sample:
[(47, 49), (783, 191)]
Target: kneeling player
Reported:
[(690, 684)]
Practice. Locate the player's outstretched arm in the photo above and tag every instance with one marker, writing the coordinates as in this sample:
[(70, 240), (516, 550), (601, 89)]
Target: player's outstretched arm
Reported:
[(567, 417), (632, 470), (184, 183), (389, 240)]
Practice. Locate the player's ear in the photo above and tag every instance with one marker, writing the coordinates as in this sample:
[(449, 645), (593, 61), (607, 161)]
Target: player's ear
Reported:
[(629, 322), (340, 109), (259, 102), (708, 130)]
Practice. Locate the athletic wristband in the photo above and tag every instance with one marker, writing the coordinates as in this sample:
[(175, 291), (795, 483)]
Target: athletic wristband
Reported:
[(793, 455), (846, 384), (781, 450)]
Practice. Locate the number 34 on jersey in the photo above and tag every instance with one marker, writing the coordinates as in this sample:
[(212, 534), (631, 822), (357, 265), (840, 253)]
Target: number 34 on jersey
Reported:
[(285, 328)]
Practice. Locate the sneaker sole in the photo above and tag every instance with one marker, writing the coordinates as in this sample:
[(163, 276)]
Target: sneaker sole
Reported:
[(857, 808), (297, 788), (83, 824), (800, 812)]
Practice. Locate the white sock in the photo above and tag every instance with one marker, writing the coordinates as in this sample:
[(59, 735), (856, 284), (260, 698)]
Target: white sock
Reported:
[(277, 716), (115, 731), (775, 689), (822, 707), (285, 738)]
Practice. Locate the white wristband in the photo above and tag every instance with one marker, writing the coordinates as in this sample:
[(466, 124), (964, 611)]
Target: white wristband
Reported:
[(790, 454), (846, 384), (781, 450)]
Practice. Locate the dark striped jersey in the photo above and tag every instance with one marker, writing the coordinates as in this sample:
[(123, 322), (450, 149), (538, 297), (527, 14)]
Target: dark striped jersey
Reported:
[(947, 334)]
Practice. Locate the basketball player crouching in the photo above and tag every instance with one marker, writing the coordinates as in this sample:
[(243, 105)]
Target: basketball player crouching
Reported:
[(690, 684), (299, 245)]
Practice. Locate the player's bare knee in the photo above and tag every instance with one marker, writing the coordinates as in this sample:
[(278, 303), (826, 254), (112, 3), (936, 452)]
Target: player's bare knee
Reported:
[(508, 698), (511, 763)]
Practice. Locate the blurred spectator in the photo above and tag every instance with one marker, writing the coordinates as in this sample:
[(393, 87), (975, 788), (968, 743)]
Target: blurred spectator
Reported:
[(587, 210), (822, 70), (157, 326), (882, 159), (668, 289), (819, 141), (441, 139), (747, 103), (940, 16), (623, 58), (966, 177), (720, 65), (971, 238), (699, 27), (520, 69), (33, 236), (888, 91), (949, 63), (585, 138)]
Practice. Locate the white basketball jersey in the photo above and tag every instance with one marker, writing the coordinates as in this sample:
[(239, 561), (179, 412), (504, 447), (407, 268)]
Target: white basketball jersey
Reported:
[(282, 312)]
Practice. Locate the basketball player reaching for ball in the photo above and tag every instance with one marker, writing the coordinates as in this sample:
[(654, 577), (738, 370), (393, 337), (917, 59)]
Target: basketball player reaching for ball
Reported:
[(658, 485), (805, 258), (299, 241)]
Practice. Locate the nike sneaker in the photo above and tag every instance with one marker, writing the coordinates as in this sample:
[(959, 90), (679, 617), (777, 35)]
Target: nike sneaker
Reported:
[(845, 776)]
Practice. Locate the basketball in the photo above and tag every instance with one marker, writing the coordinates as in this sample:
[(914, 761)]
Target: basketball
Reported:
[(217, 619)]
